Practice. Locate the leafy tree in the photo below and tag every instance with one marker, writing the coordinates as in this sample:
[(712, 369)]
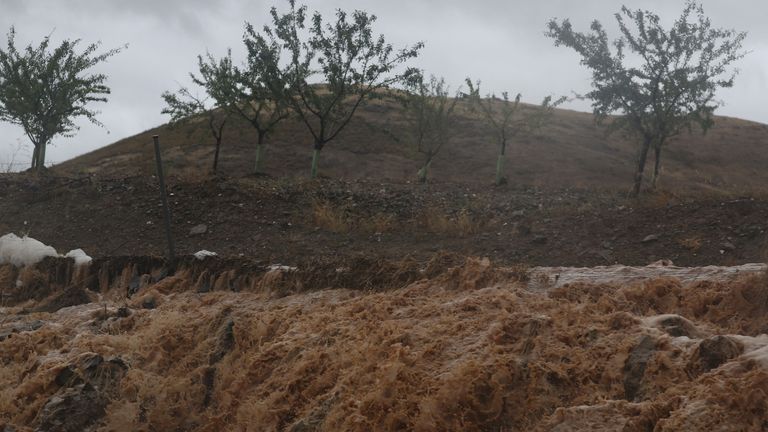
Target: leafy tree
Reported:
[(217, 78), (666, 84), (351, 63), (430, 111), (259, 95), (507, 118), (44, 90)]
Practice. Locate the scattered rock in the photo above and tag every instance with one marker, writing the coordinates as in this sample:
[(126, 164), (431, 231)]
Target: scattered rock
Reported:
[(149, 302), (68, 377), (713, 352), (728, 246), (72, 409), (226, 340), (20, 327), (199, 229), (676, 326), (650, 238), (123, 312), (634, 368)]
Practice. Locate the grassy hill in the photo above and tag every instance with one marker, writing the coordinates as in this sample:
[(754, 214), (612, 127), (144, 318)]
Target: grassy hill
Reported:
[(571, 151)]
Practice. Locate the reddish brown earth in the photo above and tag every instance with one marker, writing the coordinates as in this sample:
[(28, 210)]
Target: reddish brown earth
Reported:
[(290, 220), (570, 151)]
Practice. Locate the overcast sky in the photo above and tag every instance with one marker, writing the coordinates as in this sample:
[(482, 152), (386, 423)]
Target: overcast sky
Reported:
[(499, 42)]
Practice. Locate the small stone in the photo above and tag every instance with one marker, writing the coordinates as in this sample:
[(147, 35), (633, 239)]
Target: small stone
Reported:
[(650, 238), (199, 229), (713, 352), (728, 246), (149, 303)]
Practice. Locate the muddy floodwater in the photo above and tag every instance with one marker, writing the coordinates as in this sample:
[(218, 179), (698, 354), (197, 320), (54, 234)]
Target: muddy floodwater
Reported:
[(469, 348)]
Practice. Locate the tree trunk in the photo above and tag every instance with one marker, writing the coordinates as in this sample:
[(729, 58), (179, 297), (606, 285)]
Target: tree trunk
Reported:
[(259, 149), (34, 156), (500, 162), (424, 171), (657, 166), (499, 169), (315, 157), (641, 166), (41, 157), (216, 155)]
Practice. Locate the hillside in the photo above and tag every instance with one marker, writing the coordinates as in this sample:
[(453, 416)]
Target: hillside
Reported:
[(569, 152)]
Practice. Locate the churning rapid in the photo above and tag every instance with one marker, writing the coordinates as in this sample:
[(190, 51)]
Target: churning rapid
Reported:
[(464, 347)]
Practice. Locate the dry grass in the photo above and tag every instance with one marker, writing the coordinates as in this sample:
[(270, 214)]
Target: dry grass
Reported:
[(693, 244), (435, 221), (379, 223), (571, 146), (659, 199), (330, 217)]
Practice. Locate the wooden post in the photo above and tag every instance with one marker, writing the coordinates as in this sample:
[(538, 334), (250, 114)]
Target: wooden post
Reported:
[(166, 210)]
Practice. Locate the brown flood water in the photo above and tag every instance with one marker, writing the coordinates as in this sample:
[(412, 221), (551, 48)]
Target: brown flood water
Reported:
[(602, 349)]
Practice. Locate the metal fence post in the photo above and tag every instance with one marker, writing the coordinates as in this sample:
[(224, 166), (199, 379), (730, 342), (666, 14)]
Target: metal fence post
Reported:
[(166, 210)]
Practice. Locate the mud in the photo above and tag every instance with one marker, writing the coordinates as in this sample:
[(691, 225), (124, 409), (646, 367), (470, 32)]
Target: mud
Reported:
[(459, 347)]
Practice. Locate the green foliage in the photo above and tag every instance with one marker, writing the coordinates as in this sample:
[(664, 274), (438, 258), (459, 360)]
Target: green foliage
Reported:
[(507, 118), (261, 84), (218, 79), (351, 64), (44, 89), (430, 111), (667, 84)]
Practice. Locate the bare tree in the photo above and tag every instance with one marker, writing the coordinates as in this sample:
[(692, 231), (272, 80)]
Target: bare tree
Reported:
[(216, 77), (430, 111)]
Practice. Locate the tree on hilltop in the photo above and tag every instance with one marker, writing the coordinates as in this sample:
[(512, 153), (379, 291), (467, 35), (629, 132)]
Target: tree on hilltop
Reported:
[(44, 90), (430, 111), (667, 83), (216, 78), (352, 65), (507, 118)]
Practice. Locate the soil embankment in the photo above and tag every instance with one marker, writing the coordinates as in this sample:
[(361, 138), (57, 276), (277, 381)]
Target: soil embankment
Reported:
[(290, 221)]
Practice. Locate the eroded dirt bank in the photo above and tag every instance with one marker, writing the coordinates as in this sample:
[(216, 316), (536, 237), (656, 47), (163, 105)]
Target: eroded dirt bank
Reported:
[(461, 347), (294, 220)]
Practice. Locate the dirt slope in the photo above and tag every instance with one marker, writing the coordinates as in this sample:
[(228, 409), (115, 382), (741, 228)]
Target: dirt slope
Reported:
[(569, 152), (289, 221)]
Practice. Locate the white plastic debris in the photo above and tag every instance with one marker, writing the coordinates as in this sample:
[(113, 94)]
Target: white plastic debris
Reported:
[(280, 267), (80, 257), (23, 251), (201, 255)]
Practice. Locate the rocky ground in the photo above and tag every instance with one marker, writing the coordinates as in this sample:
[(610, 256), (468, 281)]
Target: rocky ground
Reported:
[(292, 220)]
